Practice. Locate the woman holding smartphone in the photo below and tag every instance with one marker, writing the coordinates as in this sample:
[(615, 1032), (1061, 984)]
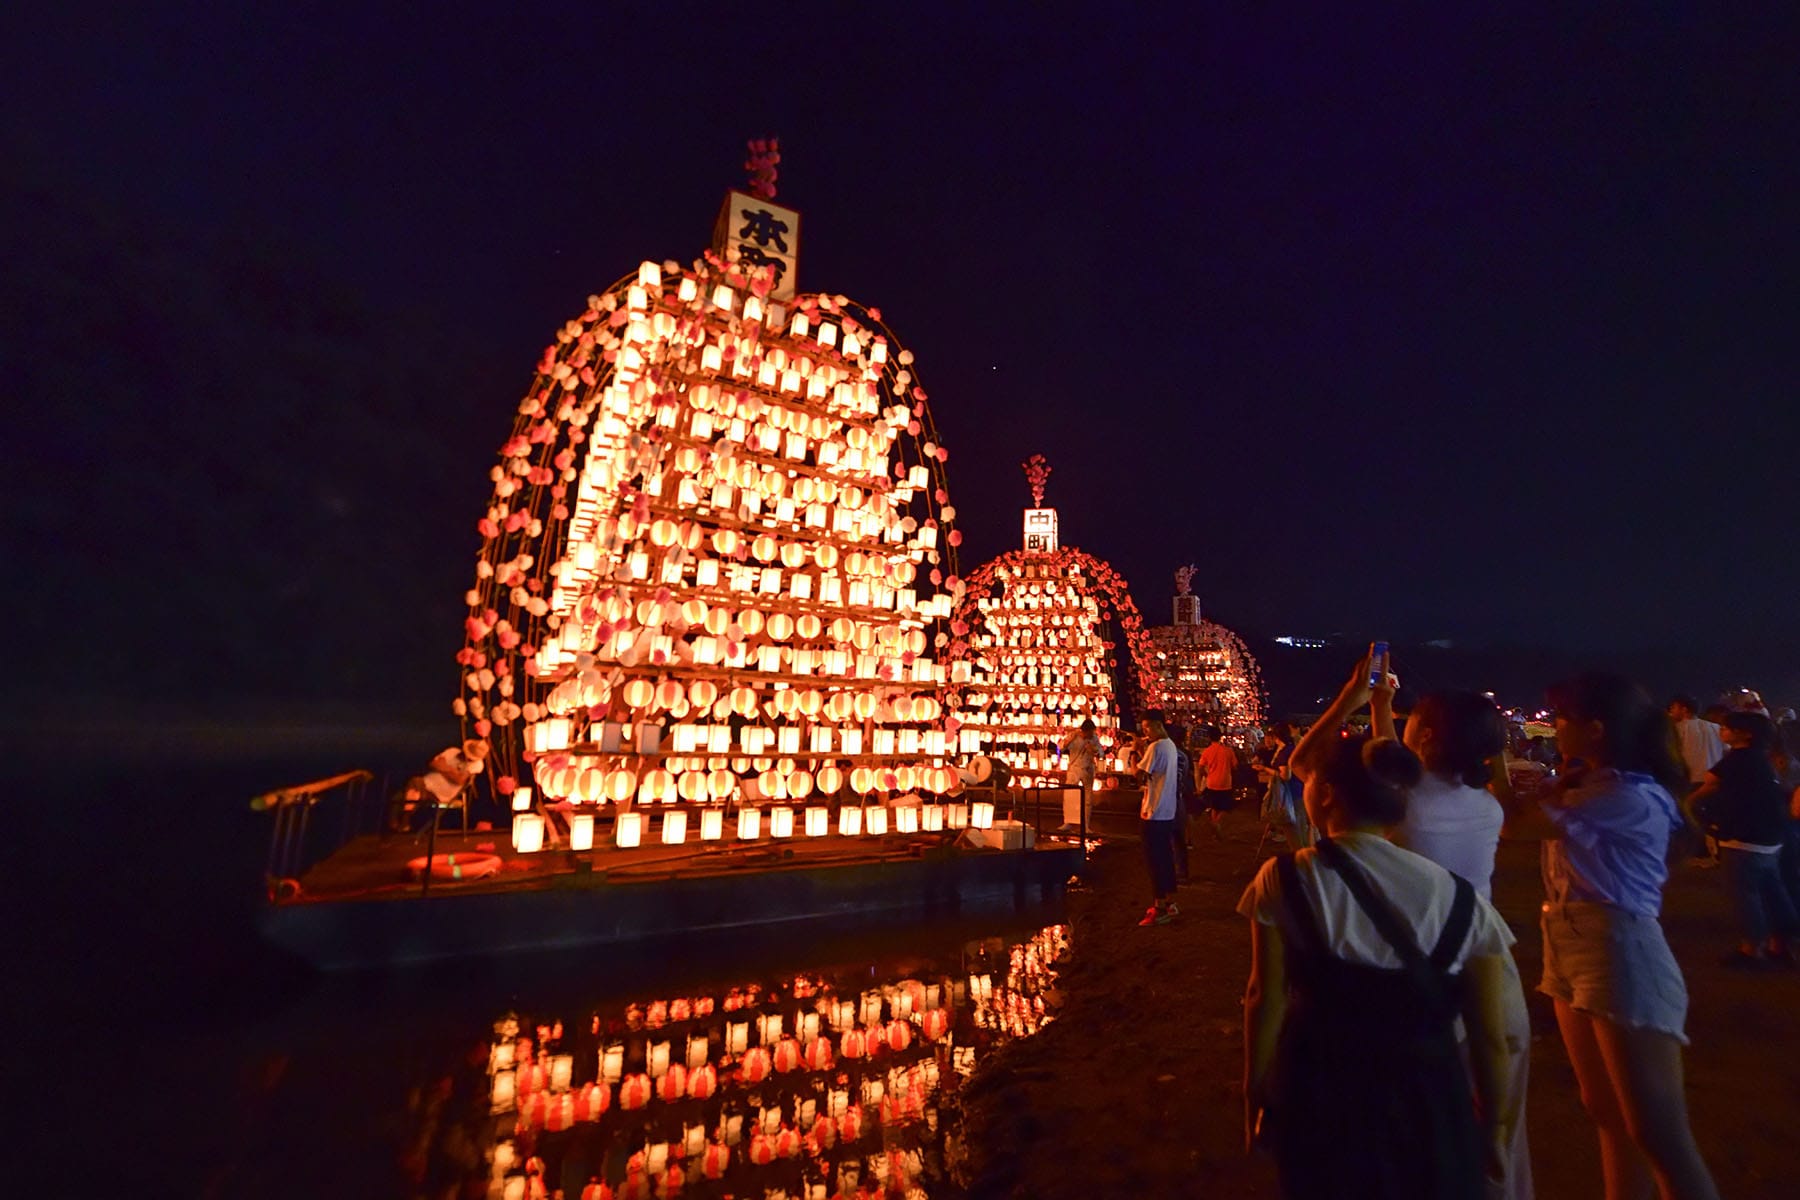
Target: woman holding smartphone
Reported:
[(1363, 957), (1621, 1003)]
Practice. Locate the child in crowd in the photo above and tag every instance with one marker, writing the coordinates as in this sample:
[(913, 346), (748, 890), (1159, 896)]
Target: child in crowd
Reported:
[(1363, 957)]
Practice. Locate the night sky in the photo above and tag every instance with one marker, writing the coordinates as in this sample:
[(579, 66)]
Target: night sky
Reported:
[(1480, 329)]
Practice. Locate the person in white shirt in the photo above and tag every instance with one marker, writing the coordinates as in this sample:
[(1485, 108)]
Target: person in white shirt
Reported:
[(1452, 819), (1363, 957), (1158, 764), (1083, 750), (1701, 745)]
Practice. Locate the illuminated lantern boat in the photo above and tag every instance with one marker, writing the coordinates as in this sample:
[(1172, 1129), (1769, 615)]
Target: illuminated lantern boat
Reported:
[(718, 535), (1204, 674), (1032, 650)]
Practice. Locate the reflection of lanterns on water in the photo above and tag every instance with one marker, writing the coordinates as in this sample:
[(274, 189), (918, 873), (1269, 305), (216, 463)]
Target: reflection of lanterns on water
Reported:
[(504, 1093)]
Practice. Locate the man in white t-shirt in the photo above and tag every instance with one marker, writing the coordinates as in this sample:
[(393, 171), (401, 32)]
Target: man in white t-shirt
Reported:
[(1158, 763), (1700, 743)]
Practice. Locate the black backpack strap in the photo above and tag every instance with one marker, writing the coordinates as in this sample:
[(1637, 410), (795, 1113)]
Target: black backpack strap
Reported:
[(1456, 925), (1299, 912), (1392, 930)]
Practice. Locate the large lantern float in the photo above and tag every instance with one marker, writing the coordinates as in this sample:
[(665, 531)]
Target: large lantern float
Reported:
[(718, 558), (1204, 674), (1034, 649)]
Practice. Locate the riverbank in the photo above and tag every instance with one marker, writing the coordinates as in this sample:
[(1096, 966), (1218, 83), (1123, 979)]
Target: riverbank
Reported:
[(1134, 1090)]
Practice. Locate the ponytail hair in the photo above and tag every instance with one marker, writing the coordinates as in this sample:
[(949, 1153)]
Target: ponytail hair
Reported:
[(1636, 734), (1466, 731), (1370, 778)]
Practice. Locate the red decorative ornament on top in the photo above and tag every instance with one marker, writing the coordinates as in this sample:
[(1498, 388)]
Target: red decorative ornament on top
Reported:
[(1037, 474), (765, 156)]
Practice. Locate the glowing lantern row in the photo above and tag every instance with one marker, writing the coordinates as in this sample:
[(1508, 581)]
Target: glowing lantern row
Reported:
[(853, 821)]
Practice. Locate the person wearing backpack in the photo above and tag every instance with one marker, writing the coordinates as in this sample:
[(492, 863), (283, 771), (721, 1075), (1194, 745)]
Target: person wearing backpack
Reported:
[(1363, 957)]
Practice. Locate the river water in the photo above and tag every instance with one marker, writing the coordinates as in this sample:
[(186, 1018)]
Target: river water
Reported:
[(190, 1059)]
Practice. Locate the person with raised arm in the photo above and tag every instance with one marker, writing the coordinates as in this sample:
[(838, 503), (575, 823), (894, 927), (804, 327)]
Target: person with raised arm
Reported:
[(1363, 956)]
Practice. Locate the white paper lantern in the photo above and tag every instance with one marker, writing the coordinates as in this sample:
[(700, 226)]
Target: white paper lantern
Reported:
[(528, 833), (581, 831), (674, 828), (629, 831), (981, 815)]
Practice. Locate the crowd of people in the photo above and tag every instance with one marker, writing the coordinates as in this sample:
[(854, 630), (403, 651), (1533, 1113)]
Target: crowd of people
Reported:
[(1386, 1034)]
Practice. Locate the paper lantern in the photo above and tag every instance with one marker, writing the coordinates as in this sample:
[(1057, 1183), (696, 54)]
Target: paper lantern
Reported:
[(850, 820), (712, 824), (958, 816), (799, 784), (674, 827), (673, 1084), (703, 1081), (619, 785), (875, 820), (528, 833), (818, 821), (906, 819), (721, 784), (581, 831), (635, 1091), (830, 779), (521, 800), (749, 825), (787, 1055), (592, 1101), (756, 1065), (639, 692), (658, 786), (629, 830), (932, 817), (981, 815), (781, 822)]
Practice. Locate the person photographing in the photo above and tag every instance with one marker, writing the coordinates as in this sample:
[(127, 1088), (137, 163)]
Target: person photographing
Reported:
[(1363, 956)]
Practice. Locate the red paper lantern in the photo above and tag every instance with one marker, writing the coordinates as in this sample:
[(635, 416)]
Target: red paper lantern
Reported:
[(635, 1091), (534, 1111), (756, 1065), (592, 1101), (530, 1078)]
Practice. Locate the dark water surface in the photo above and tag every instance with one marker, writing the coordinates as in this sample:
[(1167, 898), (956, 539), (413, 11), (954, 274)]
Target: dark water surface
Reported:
[(191, 1059)]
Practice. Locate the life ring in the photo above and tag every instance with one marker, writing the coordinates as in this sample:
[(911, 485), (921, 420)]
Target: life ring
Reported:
[(455, 867)]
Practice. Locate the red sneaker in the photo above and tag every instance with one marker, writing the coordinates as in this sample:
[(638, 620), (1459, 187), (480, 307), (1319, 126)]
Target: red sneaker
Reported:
[(1150, 916)]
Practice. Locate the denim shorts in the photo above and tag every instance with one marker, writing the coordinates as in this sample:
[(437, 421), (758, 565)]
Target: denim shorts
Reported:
[(1616, 965)]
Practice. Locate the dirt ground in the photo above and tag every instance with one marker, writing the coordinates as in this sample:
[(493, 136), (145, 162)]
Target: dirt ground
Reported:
[(1134, 1090)]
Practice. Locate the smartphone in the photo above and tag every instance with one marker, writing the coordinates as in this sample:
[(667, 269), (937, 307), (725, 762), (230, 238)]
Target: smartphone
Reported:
[(1378, 664)]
